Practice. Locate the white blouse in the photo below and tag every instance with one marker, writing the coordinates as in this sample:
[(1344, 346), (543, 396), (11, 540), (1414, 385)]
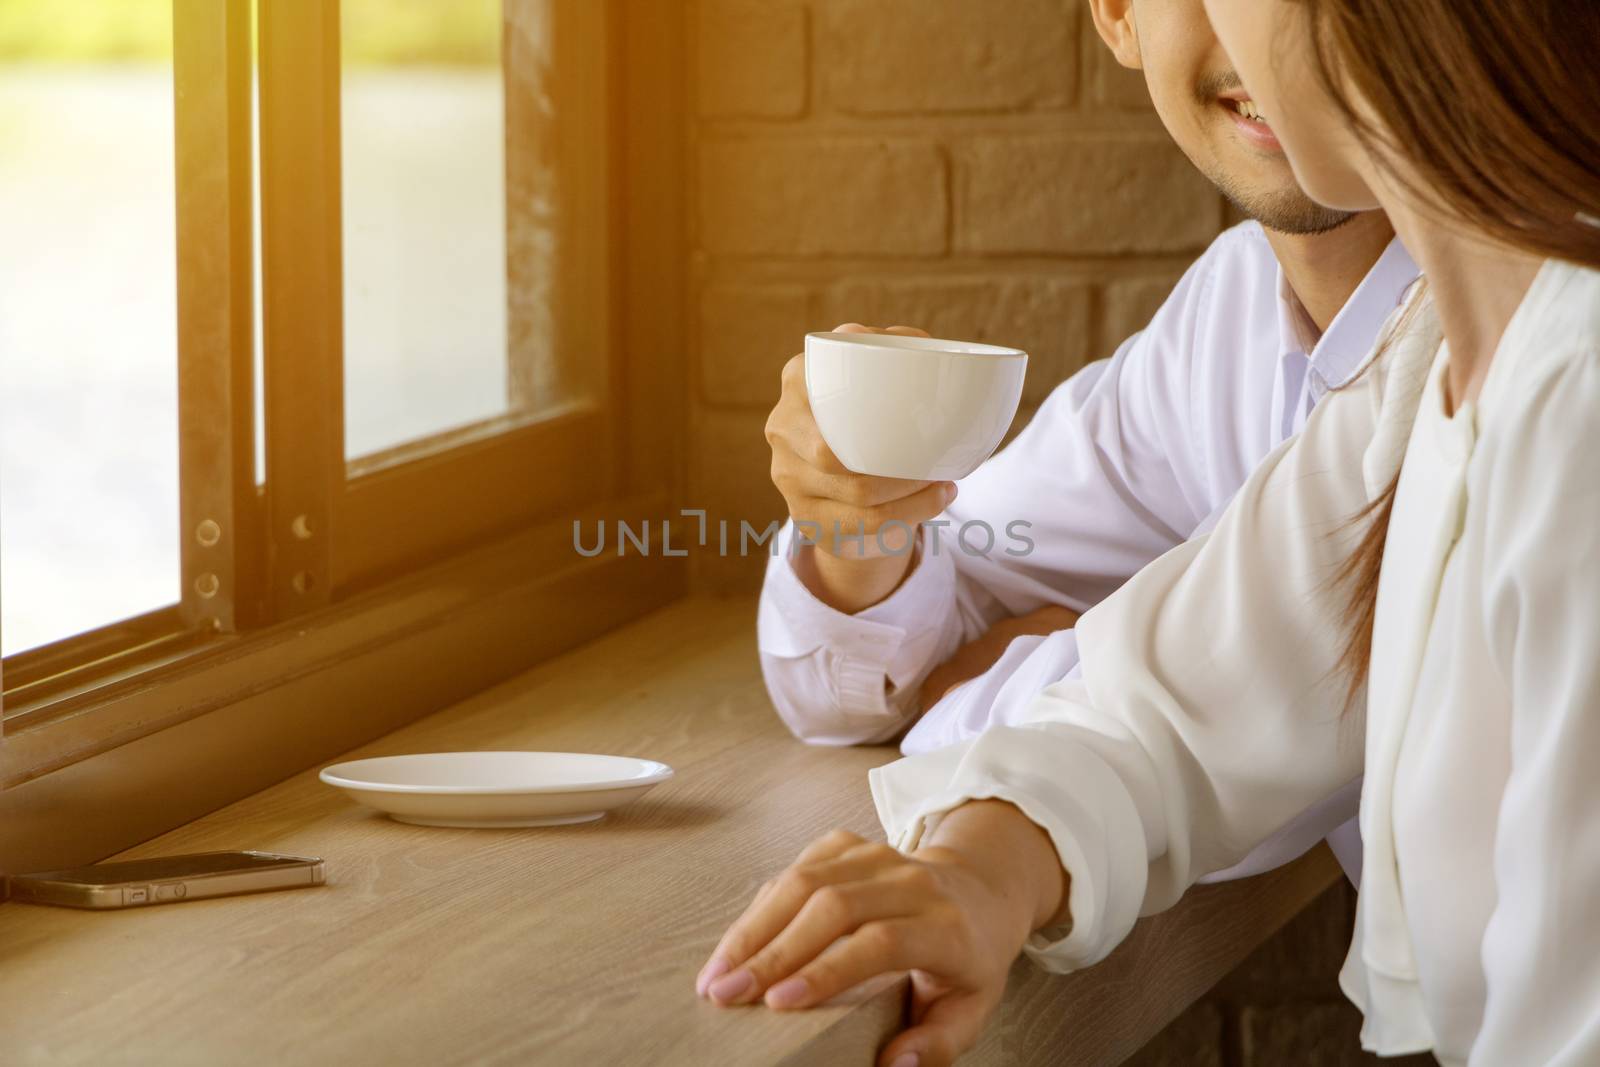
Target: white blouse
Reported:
[(1210, 711)]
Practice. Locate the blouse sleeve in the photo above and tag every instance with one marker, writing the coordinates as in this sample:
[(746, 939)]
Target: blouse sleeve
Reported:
[(1210, 710), (1541, 949)]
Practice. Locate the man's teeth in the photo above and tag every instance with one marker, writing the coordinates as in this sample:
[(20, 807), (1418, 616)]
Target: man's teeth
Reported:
[(1247, 108)]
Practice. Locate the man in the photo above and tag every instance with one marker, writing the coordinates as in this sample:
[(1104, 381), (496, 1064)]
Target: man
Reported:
[(1122, 462)]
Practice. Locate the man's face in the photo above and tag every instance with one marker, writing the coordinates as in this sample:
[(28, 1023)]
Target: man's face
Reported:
[(1205, 107), (1271, 44)]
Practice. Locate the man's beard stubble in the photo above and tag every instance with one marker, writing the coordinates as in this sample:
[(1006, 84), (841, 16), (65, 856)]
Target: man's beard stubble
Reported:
[(1286, 211)]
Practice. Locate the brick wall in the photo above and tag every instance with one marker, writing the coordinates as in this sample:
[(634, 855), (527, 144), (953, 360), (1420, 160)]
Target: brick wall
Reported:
[(979, 168), (982, 169)]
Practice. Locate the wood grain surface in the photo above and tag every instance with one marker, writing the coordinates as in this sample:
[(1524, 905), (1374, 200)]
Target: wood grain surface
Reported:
[(560, 945)]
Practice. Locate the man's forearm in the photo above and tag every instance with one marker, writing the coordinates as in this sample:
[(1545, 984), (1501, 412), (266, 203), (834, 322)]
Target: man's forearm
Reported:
[(1013, 852)]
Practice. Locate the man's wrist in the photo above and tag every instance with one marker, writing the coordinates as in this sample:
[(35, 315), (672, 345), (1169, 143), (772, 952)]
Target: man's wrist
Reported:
[(852, 585)]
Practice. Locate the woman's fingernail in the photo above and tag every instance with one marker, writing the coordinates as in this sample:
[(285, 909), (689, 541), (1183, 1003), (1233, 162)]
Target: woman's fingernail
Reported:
[(788, 993), (715, 968), (730, 987), (906, 1059)]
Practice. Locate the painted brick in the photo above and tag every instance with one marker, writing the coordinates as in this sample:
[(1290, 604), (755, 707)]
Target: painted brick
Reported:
[(1046, 317), (1081, 194), (747, 333), (1109, 83), (905, 56), (731, 478), (753, 57), (821, 196)]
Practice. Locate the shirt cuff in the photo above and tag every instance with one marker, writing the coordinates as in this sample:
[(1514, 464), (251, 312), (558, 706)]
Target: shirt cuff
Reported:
[(1063, 787), (886, 640)]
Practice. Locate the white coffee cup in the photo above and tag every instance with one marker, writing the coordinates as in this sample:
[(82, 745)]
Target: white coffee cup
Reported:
[(911, 407)]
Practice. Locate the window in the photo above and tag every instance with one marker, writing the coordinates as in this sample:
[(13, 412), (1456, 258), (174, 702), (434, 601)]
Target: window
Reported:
[(398, 240), (423, 118), (362, 500), (88, 335)]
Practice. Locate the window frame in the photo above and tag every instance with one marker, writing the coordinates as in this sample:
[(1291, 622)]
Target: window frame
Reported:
[(219, 570), (373, 517), (91, 697)]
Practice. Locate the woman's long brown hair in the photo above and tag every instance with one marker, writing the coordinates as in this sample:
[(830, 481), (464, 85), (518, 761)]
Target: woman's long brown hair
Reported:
[(1493, 105)]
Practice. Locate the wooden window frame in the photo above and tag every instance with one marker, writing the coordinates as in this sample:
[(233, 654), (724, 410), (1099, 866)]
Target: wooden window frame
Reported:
[(304, 617), (219, 524), (338, 525)]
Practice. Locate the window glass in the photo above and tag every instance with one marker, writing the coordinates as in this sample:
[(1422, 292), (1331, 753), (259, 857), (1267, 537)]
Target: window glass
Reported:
[(88, 317), (424, 173)]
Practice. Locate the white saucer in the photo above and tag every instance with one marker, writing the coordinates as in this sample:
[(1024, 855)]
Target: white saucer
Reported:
[(490, 789)]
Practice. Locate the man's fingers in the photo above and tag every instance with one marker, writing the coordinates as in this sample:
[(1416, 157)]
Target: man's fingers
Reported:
[(866, 490), (803, 460), (793, 373), (980, 654), (1041, 622), (903, 331), (1049, 619), (882, 529), (937, 684), (951, 1025), (802, 452)]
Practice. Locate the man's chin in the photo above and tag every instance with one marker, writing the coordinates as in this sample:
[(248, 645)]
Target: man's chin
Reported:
[(1287, 211)]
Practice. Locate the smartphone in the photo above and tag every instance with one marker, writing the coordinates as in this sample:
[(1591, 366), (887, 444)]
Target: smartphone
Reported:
[(167, 879)]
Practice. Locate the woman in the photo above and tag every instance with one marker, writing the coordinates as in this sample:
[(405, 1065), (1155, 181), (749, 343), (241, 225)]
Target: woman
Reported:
[(1453, 568)]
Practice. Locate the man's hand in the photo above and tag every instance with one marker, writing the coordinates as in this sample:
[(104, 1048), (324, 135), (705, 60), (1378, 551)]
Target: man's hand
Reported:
[(955, 913), (846, 575), (978, 655)]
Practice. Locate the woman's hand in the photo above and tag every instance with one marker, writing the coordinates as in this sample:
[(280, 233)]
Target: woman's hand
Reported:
[(955, 917)]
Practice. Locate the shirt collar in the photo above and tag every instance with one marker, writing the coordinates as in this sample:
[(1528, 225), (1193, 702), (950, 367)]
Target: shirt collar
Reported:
[(1349, 337)]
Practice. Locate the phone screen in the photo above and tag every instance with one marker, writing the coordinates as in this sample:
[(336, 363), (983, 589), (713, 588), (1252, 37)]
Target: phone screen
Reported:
[(162, 867)]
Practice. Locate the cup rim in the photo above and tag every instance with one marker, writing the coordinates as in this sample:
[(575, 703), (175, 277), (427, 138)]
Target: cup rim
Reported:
[(903, 342)]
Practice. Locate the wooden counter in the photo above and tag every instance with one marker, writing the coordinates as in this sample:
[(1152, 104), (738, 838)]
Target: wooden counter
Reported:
[(561, 945)]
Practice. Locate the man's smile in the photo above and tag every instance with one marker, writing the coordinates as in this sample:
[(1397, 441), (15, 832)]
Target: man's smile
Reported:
[(1247, 118)]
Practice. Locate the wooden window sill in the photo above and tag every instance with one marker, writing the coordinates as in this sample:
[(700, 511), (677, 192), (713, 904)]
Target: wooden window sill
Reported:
[(565, 944)]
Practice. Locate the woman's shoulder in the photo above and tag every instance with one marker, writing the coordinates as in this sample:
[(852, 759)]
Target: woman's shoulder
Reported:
[(1564, 304), (1539, 412), (1548, 365)]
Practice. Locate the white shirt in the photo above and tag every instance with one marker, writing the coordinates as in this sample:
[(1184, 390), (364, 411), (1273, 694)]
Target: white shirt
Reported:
[(1127, 459), (1207, 712)]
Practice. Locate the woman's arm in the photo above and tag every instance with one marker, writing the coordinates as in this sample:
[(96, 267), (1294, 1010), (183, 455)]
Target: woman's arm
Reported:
[(994, 836), (1210, 712), (1210, 708), (1541, 949)]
